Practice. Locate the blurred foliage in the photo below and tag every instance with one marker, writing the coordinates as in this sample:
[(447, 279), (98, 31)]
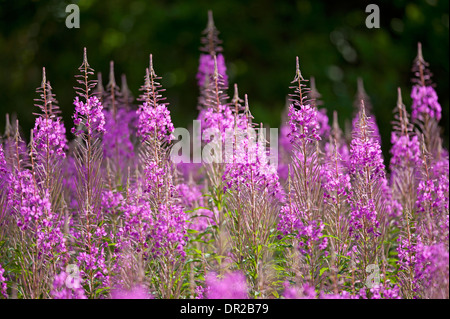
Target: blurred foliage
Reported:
[(260, 38)]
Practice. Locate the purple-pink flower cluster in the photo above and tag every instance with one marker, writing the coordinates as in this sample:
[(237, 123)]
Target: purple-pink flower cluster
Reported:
[(309, 232), (220, 123), (111, 200), (90, 115), (433, 196), (336, 180), (3, 168), (30, 205), (304, 292), (364, 215), (137, 221)]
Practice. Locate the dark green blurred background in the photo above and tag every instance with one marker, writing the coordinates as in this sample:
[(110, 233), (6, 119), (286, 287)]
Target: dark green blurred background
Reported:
[(260, 38)]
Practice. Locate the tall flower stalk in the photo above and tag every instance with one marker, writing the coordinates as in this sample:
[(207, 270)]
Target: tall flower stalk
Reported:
[(302, 214)]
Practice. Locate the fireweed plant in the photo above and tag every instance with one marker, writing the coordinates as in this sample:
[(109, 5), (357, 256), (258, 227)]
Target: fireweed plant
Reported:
[(117, 212)]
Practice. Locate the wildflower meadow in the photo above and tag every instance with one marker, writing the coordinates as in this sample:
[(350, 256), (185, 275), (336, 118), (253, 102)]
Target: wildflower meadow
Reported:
[(119, 203)]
